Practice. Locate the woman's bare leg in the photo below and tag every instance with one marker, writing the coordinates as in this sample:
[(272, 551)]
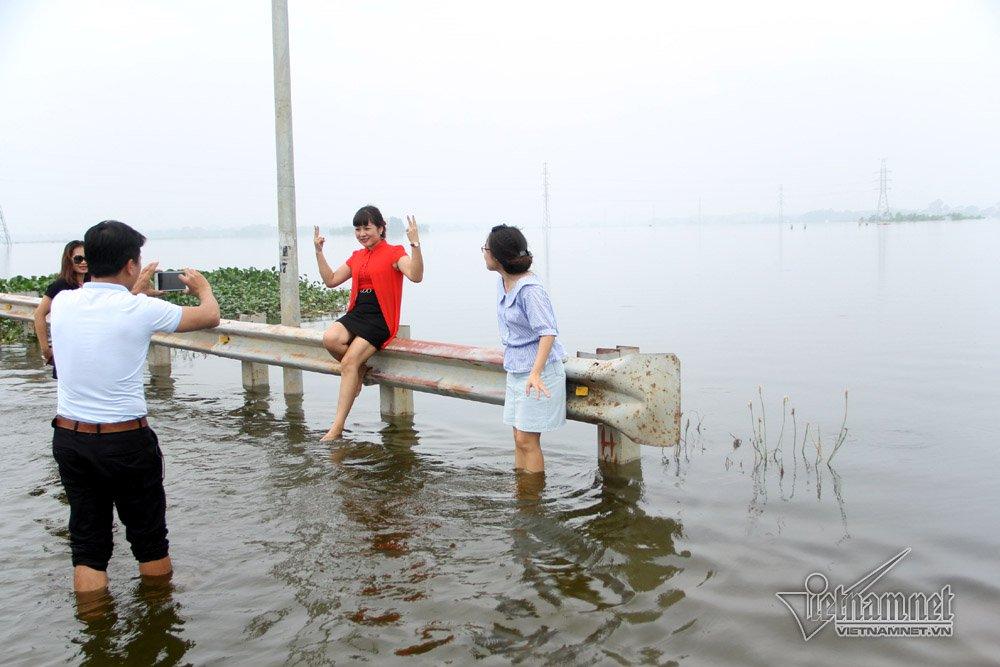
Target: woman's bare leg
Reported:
[(336, 340), (358, 352), (528, 451), (518, 455)]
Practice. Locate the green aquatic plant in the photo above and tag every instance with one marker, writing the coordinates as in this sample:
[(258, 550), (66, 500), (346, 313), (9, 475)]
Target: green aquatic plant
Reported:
[(12, 331), (248, 291), (239, 291)]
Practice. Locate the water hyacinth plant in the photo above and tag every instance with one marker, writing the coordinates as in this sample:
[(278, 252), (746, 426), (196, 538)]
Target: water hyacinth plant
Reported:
[(239, 291), (247, 291)]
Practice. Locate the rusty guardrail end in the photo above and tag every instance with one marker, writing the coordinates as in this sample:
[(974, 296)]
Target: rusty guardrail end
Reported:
[(638, 393)]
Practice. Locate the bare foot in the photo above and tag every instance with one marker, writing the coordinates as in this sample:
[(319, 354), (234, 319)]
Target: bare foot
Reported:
[(332, 434)]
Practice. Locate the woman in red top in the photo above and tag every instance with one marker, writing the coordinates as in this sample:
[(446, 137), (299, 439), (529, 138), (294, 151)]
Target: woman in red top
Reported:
[(372, 320)]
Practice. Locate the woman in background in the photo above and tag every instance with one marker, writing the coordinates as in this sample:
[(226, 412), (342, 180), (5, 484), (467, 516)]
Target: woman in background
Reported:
[(376, 273), (72, 274), (532, 356)]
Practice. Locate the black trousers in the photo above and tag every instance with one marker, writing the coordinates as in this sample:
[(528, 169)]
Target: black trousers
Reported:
[(117, 470)]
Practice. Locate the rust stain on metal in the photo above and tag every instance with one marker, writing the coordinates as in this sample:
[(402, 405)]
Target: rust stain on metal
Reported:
[(637, 394)]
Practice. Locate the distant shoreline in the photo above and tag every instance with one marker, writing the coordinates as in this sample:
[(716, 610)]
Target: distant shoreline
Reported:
[(922, 217), (267, 232)]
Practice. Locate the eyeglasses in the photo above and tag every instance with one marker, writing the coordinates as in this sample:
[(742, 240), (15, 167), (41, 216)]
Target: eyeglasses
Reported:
[(79, 259), (485, 249)]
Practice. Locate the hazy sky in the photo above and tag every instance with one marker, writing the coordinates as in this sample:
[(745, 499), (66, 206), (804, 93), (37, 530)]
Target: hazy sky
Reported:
[(162, 114)]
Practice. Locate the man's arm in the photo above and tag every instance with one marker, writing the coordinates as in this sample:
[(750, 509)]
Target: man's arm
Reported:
[(206, 314)]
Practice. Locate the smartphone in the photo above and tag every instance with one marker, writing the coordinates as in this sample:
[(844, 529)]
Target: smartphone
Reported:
[(168, 281)]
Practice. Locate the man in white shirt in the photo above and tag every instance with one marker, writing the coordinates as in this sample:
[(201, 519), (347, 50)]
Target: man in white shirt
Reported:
[(108, 456)]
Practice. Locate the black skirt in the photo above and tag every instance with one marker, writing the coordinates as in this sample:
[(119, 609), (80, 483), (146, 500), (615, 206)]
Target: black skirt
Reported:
[(366, 320)]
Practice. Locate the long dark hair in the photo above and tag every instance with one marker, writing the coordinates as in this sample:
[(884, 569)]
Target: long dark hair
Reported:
[(66, 271), (509, 247), (370, 214)]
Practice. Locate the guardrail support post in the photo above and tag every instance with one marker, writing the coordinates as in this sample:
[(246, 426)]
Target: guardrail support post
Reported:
[(629, 393), (613, 446), (158, 360), (255, 377), (396, 402), (28, 328)]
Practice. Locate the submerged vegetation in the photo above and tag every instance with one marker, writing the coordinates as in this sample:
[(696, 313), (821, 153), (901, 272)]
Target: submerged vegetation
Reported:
[(239, 291), (773, 461)]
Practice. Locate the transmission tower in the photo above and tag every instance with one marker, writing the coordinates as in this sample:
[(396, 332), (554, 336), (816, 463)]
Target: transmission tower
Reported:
[(882, 206), (545, 215), (781, 204), (545, 196), (4, 232)]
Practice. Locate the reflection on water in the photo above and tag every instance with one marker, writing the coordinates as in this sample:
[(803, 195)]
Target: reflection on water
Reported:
[(602, 556), (416, 539), (145, 629), (160, 388), (390, 551)]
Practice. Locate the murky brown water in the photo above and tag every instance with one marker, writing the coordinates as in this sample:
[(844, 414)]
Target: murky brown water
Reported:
[(415, 542)]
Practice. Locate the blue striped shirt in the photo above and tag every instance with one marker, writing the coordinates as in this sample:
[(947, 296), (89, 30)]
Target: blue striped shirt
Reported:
[(524, 314)]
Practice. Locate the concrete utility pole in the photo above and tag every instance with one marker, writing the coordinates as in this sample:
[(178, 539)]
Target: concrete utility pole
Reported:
[(288, 255)]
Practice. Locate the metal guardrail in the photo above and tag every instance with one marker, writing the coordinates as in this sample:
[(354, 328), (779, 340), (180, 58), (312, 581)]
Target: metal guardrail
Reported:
[(636, 394)]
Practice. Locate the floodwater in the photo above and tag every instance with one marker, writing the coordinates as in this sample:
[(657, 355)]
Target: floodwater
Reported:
[(414, 542)]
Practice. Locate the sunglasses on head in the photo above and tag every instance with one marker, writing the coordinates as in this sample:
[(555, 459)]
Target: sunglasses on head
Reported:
[(79, 259)]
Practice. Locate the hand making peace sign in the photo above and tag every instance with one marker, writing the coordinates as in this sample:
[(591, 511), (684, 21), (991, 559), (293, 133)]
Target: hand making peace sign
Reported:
[(411, 230), (318, 239)]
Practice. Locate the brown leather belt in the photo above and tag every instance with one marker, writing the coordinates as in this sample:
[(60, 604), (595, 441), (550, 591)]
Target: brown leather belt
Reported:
[(84, 427)]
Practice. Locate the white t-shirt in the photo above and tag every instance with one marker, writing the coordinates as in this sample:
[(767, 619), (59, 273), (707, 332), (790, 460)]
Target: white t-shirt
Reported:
[(100, 338)]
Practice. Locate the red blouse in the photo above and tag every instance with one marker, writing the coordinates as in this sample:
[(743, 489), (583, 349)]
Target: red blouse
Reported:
[(377, 266), (365, 279)]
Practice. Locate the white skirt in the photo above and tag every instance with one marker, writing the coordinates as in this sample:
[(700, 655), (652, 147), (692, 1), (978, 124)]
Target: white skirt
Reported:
[(534, 414)]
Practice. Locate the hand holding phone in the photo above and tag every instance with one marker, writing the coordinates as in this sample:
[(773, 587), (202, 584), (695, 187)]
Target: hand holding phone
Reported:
[(142, 283), (168, 281), (196, 283)]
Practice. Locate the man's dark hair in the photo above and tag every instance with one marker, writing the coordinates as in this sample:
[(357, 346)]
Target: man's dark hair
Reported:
[(109, 246), (509, 247)]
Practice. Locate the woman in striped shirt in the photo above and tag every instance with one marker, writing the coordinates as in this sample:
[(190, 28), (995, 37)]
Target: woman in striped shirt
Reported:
[(533, 358)]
